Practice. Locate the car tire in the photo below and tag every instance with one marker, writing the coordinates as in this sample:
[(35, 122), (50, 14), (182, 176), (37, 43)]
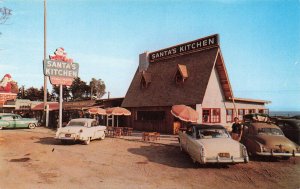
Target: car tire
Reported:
[(87, 141), (103, 137), (31, 125)]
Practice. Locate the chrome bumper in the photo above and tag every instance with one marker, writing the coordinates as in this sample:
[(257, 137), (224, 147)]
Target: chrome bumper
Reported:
[(294, 154), (226, 160)]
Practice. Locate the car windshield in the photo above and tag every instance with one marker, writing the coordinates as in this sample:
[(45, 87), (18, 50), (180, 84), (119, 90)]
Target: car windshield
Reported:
[(270, 131), (212, 133), (77, 123)]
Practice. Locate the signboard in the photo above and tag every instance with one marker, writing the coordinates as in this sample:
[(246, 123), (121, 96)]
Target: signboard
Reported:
[(61, 69), (185, 48)]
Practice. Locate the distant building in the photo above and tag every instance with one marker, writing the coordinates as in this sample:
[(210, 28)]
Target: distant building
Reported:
[(193, 74)]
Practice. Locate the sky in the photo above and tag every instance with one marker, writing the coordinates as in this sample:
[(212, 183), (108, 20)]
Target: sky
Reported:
[(259, 40)]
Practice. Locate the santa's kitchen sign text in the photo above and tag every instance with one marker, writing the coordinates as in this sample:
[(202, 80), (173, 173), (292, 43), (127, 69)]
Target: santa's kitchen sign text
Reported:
[(61, 69)]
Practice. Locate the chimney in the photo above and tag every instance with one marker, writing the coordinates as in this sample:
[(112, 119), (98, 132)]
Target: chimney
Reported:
[(143, 61)]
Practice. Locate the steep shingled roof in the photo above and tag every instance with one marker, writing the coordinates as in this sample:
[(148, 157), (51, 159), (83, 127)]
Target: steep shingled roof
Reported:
[(164, 91)]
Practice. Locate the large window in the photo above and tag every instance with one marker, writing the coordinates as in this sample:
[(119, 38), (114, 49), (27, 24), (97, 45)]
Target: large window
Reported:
[(211, 115), (241, 113), (150, 115), (263, 111), (229, 115)]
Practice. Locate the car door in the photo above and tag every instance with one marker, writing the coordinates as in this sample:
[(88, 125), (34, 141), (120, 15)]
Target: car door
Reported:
[(97, 130), (18, 122), (192, 145), (248, 138), (9, 120)]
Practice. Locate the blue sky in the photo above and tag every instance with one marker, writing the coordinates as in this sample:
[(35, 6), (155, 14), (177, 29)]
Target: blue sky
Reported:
[(260, 41)]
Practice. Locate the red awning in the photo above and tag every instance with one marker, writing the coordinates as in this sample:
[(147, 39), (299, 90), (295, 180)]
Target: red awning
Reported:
[(52, 106)]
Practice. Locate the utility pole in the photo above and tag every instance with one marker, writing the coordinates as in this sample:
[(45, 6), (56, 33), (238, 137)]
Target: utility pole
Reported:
[(45, 115)]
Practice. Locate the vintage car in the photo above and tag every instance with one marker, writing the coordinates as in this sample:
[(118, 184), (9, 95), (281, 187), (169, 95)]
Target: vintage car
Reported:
[(290, 128), (8, 120), (81, 129), (267, 139), (211, 144)]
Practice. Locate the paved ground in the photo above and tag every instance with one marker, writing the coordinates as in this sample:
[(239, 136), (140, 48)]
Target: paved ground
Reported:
[(33, 159)]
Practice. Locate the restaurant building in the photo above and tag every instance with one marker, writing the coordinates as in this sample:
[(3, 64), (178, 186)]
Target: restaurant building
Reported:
[(192, 74)]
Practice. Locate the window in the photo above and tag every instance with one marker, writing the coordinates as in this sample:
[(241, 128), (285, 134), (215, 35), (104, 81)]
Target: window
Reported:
[(229, 115), (206, 115), (241, 113), (251, 111), (211, 115), (181, 74), (150, 115), (215, 118), (263, 111)]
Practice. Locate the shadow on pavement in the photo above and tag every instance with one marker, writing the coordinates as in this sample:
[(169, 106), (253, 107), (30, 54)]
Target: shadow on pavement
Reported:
[(170, 156), (53, 141)]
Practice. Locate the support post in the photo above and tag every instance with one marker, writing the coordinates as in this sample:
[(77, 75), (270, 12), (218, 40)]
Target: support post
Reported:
[(60, 105)]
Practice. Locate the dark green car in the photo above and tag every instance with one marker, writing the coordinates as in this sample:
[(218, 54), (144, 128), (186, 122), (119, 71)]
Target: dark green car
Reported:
[(16, 121)]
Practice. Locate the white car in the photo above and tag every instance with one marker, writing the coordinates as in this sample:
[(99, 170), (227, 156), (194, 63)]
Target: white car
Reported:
[(81, 129), (211, 144)]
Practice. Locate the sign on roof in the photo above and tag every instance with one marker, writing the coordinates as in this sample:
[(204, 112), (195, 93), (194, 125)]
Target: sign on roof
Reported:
[(185, 48)]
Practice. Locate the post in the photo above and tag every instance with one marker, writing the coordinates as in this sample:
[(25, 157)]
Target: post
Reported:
[(45, 116), (60, 104)]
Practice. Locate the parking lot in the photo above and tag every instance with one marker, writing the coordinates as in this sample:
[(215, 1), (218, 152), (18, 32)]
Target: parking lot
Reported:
[(33, 159)]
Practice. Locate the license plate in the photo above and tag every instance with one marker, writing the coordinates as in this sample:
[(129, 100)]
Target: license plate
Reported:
[(68, 135), (227, 155)]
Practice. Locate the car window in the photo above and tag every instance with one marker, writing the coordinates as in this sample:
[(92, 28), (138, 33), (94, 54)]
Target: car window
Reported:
[(77, 123), (212, 133), (7, 118), (189, 131), (269, 131)]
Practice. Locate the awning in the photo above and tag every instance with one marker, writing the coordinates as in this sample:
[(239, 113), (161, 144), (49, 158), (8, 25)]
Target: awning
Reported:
[(52, 106)]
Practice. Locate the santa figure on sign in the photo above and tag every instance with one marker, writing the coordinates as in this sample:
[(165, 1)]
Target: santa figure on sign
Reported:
[(61, 55), (6, 83)]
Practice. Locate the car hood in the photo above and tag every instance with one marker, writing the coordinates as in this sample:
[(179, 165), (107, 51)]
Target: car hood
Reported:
[(273, 141), (215, 146)]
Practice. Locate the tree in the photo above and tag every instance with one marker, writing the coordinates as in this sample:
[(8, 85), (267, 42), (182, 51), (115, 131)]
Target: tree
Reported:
[(97, 88), (5, 13), (66, 93), (79, 89), (32, 94)]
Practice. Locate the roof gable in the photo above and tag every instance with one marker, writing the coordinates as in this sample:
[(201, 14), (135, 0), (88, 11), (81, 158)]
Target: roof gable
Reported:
[(164, 91)]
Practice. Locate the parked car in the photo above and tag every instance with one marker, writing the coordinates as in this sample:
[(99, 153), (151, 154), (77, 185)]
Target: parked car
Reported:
[(211, 144), (8, 120), (81, 129), (290, 128), (256, 117), (267, 139)]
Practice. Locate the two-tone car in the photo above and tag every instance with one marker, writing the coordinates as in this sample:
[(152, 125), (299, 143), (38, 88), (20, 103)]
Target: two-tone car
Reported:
[(8, 120), (211, 144), (290, 128), (81, 129), (267, 139)]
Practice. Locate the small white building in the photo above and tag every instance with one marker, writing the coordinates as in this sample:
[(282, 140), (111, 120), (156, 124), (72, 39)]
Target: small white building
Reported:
[(191, 73)]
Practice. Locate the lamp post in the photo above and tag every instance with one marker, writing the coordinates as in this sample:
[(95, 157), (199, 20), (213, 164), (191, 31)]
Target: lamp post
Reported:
[(45, 115)]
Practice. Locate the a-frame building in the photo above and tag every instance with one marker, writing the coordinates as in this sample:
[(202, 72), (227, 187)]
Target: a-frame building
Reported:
[(191, 73)]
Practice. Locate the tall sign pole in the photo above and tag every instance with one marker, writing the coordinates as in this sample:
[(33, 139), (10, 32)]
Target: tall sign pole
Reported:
[(60, 104), (46, 115)]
